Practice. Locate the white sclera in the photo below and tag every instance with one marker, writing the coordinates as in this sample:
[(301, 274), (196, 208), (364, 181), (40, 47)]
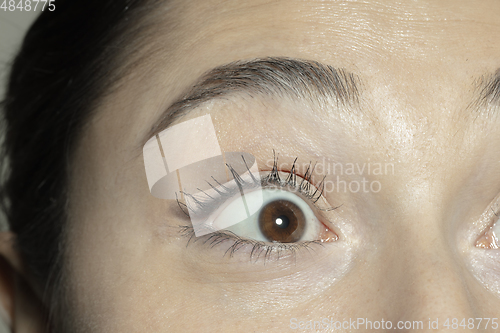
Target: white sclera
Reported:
[(243, 207), (236, 210)]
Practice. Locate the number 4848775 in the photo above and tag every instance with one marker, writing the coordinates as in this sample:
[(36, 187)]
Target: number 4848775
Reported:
[(28, 5)]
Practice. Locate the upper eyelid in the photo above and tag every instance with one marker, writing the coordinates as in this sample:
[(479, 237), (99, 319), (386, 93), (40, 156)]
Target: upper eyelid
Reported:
[(311, 195)]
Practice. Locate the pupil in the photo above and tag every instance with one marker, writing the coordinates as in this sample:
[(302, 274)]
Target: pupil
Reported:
[(282, 221)]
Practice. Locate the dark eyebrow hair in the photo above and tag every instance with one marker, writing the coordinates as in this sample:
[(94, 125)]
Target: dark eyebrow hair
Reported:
[(487, 93), (281, 76), (490, 90)]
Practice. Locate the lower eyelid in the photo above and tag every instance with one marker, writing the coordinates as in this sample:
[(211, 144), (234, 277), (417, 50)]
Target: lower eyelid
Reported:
[(232, 245)]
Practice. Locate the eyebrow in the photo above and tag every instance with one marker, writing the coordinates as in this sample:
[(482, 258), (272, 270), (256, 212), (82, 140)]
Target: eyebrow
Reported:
[(489, 90), (278, 76)]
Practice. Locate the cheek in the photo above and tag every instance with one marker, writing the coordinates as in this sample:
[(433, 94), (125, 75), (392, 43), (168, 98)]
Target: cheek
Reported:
[(485, 266), (127, 279), (130, 270)]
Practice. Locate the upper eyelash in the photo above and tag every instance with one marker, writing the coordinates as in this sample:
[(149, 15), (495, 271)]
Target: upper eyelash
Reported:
[(224, 194), (305, 187)]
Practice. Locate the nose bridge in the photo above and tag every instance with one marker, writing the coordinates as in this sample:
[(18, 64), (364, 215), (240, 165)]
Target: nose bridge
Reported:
[(437, 286), (433, 284)]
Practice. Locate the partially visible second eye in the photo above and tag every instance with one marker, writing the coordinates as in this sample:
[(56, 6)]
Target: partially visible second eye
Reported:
[(284, 217), (490, 238)]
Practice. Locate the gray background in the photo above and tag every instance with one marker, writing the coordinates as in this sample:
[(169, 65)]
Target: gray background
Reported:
[(13, 26)]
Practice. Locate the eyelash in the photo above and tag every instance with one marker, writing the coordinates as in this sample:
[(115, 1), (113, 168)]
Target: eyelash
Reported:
[(258, 248), (261, 250)]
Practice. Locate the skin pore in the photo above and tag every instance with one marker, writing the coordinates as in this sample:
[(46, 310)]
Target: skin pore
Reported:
[(404, 253)]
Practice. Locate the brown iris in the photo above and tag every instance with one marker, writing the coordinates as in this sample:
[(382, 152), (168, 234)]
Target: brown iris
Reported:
[(282, 221)]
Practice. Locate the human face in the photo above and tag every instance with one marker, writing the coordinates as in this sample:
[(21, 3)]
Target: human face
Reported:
[(402, 248)]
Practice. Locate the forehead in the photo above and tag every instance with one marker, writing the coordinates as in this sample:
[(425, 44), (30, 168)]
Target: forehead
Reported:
[(386, 43), (401, 50), (405, 29)]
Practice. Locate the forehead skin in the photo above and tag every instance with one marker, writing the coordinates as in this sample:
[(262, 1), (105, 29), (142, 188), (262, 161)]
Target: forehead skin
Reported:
[(408, 251)]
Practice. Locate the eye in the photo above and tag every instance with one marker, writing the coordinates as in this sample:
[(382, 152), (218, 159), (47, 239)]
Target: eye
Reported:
[(284, 217)]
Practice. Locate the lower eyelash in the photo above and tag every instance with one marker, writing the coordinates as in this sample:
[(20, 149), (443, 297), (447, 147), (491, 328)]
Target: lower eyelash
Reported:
[(260, 250)]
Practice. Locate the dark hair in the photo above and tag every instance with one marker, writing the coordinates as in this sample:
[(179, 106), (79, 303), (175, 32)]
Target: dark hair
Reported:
[(68, 59)]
